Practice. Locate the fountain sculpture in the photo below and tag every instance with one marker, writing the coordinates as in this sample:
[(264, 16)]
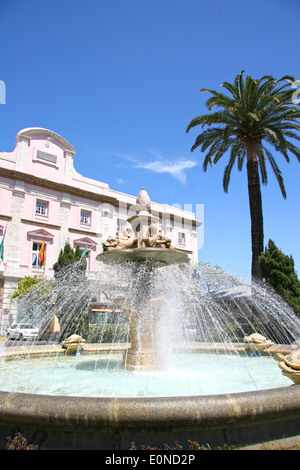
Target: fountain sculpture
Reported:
[(258, 342), (290, 366), (73, 343), (146, 246)]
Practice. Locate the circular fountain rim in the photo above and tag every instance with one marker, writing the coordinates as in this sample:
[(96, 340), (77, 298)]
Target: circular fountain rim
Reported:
[(129, 418), (156, 257)]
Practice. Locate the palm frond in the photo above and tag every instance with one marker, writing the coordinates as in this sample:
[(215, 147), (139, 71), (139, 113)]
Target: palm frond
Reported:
[(227, 174), (291, 134), (277, 140), (277, 172), (294, 150), (208, 137), (231, 88), (238, 152)]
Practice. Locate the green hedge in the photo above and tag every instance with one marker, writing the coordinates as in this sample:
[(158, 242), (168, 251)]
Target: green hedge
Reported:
[(236, 332), (107, 334)]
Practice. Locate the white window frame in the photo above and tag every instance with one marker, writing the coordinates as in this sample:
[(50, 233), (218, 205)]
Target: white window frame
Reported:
[(36, 263), (181, 238), (85, 217), (41, 208), (120, 225)]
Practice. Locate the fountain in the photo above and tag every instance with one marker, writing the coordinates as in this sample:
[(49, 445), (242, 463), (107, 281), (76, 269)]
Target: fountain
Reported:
[(145, 246), (156, 386)]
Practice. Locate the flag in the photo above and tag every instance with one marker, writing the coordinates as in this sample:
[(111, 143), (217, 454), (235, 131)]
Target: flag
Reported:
[(2, 246), (84, 251), (42, 254)]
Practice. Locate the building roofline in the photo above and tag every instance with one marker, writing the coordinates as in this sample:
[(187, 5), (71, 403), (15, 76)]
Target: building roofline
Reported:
[(30, 131)]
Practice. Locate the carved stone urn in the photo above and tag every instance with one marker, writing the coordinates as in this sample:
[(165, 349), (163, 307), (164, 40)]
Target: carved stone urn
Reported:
[(258, 342), (290, 366)]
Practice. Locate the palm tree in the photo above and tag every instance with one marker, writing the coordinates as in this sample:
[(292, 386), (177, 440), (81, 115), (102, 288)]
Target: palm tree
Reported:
[(257, 117)]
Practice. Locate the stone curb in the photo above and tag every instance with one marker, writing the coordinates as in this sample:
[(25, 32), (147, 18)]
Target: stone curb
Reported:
[(281, 444)]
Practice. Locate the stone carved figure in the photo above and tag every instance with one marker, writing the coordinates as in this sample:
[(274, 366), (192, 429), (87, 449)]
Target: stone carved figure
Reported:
[(151, 236), (117, 243), (162, 241), (147, 236), (111, 243), (155, 238), (129, 237)]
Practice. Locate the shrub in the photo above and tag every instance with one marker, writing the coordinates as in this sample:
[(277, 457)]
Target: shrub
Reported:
[(107, 334), (19, 443)]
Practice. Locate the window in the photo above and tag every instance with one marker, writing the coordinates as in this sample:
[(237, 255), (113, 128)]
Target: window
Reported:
[(35, 254), (85, 217), (46, 157), (120, 225), (41, 207), (107, 317), (181, 238)]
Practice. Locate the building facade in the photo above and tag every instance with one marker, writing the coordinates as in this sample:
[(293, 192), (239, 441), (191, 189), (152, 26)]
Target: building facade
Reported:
[(43, 199)]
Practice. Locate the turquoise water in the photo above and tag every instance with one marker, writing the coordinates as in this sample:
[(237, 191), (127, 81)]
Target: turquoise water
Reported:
[(103, 376)]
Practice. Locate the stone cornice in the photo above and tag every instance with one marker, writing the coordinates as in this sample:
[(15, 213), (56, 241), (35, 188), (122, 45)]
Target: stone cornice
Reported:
[(65, 188), (56, 186), (5, 217), (40, 224), (84, 232)]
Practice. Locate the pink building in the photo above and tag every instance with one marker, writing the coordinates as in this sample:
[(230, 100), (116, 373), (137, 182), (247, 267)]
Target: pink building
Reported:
[(43, 198)]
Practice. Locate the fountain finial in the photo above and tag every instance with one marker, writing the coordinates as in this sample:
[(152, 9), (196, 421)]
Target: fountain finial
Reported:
[(143, 200)]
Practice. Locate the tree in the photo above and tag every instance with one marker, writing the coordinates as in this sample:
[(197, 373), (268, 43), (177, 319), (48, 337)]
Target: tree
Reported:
[(68, 256), (257, 115), (213, 278), (71, 290), (32, 287), (25, 285), (279, 273)]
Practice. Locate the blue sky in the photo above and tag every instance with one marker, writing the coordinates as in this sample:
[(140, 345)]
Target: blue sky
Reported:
[(120, 80)]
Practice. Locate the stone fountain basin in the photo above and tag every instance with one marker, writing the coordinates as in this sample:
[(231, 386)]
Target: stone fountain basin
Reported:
[(72, 422), (60, 422), (158, 257)]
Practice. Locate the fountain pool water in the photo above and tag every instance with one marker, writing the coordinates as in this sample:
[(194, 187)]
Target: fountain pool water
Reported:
[(97, 376), (154, 382)]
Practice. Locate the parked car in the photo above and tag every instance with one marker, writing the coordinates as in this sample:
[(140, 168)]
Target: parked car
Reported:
[(22, 331)]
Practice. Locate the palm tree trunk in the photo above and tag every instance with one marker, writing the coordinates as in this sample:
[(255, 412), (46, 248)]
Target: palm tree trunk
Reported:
[(256, 214)]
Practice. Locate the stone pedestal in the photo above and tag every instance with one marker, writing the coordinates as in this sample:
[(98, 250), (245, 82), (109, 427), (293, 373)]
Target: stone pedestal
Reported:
[(144, 334)]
